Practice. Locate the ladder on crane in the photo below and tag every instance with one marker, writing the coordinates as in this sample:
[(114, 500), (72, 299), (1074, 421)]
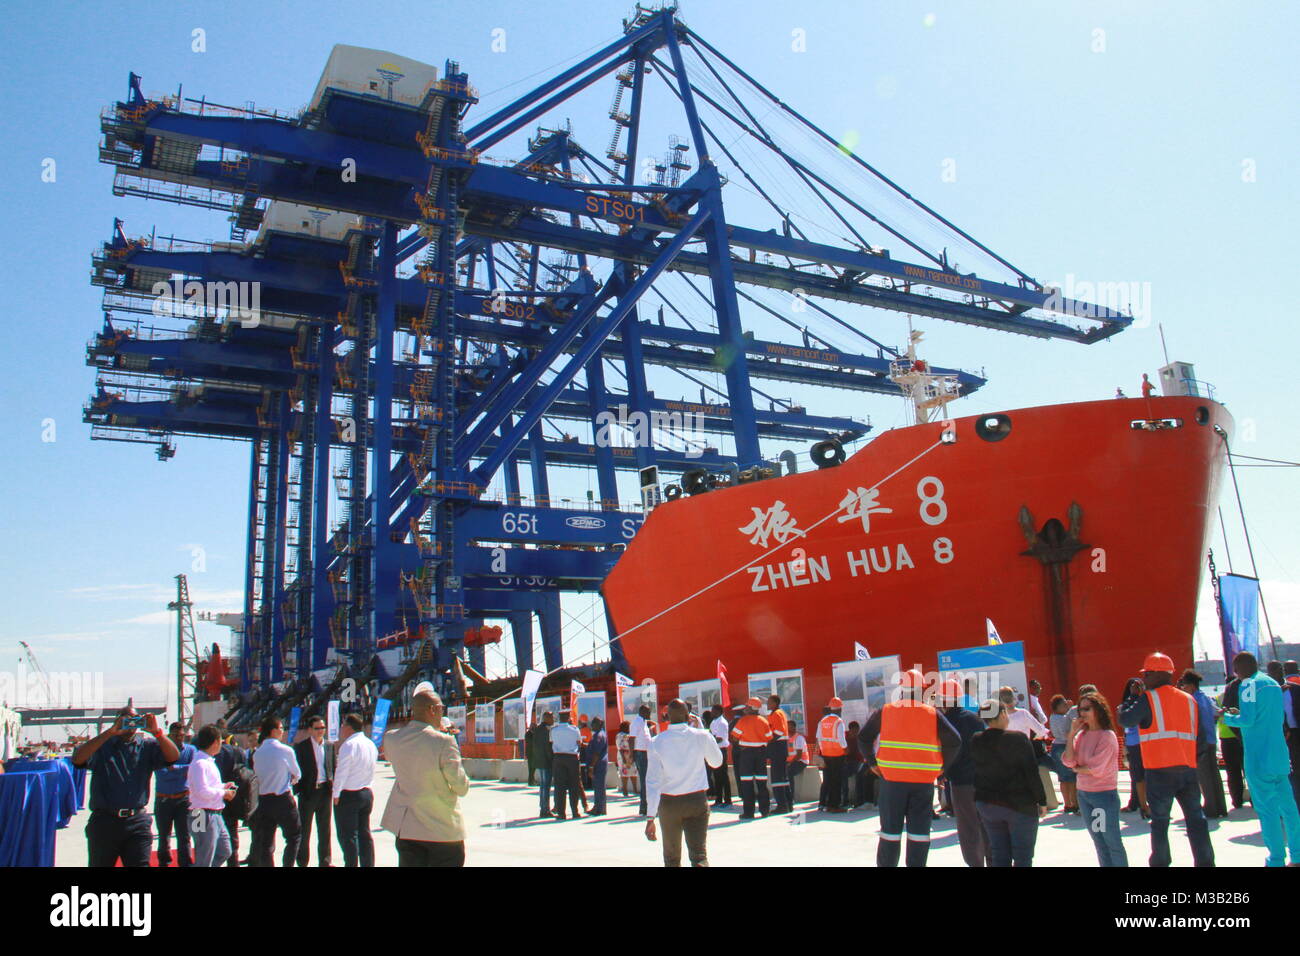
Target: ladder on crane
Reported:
[(187, 654)]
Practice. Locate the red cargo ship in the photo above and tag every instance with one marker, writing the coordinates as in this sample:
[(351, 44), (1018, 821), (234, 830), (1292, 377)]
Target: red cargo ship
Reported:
[(1078, 529)]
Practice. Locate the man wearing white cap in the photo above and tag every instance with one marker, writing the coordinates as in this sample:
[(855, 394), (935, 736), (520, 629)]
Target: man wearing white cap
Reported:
[(424, 807)]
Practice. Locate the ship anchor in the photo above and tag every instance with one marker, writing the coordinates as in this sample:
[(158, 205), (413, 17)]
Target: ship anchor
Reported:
[(1055, 545)]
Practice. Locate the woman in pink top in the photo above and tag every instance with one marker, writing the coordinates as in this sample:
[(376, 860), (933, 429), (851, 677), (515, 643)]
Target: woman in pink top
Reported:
[(1092, 749)]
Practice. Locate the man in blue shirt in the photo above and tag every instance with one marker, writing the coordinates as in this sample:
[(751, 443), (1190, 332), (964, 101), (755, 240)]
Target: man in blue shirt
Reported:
[(1207, 754), (171, 801), (598, 762), (1259, 718), (120, 762)]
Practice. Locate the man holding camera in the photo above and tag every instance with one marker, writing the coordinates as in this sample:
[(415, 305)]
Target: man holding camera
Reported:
[(121, 761)]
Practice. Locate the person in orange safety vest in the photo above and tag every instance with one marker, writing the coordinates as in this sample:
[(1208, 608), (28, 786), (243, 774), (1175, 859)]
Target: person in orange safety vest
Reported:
[(833, 746), (778, 752), (751, 735), (916, 744)]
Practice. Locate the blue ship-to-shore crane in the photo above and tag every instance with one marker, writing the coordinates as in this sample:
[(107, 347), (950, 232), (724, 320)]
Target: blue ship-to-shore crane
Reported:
[(396, 372)]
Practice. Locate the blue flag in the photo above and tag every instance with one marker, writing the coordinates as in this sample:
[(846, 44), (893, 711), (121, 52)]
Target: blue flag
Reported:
[(1239, 597), (380, 724), (291, 728)]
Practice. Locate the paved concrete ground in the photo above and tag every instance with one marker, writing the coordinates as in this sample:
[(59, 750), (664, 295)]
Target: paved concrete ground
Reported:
[(504, 831)]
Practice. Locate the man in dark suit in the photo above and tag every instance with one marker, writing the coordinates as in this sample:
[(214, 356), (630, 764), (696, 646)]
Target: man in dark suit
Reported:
[(314, 792)]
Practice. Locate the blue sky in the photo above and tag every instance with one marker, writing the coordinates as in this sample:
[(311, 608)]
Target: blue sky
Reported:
[(1159, 151)]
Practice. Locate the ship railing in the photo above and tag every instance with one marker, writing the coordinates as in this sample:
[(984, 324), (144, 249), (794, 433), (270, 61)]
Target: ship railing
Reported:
[(1199, 389)]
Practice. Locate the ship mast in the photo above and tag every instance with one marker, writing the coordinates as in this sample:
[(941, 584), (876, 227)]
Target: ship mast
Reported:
[(927, 393)]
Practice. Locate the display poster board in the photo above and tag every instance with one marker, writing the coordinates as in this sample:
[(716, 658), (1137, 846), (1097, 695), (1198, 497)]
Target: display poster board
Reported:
[(543, 704), (332, 721), (457, 716), (485, 723), (634, 697), (591, 704), (989, 666), (512, 719), (701, 695), (788, 685), (864, 686)]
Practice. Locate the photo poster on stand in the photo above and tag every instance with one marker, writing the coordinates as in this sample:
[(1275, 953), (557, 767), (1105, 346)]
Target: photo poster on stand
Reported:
[(512, 719), (990, 666), (591, 704), (701, 695), (485, 723), (457, 716), (788, 685), (543, 704), (864, 686), (634, 697)]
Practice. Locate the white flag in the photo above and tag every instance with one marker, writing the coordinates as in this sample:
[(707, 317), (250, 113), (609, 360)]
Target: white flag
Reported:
[(621, 680), (860, 653), (575, 688), (992, 631), (532, 683)]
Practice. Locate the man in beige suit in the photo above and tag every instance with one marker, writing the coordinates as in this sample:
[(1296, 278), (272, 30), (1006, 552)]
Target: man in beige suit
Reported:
[(423, 809)]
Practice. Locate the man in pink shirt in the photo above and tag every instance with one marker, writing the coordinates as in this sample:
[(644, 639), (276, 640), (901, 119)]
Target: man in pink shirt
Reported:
[(208, 796)]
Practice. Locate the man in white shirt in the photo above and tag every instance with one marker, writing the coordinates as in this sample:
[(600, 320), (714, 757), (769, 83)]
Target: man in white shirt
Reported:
[(353, 798), (640, 732), (721, 779), (277, 770), (208, 797), (677, 785), (1031, 702)]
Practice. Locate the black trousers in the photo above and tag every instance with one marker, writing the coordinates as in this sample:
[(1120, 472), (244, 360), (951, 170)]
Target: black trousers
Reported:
[(751, 777), (232, 827), (275, 811), (904, 807), (1233, 756), (109, 837), (832, 782), (173, 813), (352, 819), (425, 853), (315, 807), (721, 781), (778, 751), (566, 781)]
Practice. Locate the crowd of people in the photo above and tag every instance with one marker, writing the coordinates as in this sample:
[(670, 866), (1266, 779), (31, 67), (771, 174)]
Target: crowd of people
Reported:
[(988, 762)]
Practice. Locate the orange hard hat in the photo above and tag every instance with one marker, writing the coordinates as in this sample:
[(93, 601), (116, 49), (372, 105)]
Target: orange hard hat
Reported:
[(950, 690), (1293, 679), (1158, 662), (911, 678), (835, 703), (754, 702)]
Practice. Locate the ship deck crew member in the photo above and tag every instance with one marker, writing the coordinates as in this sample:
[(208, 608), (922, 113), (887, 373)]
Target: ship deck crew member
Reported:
[(121, 761), (208, 798), (721, 778), (916, 744), (315, 792), (1169, 734), (423, 809), (171, 801), (778, 754), (1207, 756), (1259, 718), (832, 744), (597, 757), (677, 780), (277, 771), (798, 759), (565, 743), (352, 794), (751, 736), (961, 774), (640, 731)]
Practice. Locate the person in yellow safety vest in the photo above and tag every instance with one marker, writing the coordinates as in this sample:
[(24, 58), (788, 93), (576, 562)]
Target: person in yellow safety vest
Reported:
[(833, 745), (1169, 734), (778, 752), (752, 734), (916, 744)]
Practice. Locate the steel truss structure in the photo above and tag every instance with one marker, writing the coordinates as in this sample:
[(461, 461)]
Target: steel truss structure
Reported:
[(394, 378)]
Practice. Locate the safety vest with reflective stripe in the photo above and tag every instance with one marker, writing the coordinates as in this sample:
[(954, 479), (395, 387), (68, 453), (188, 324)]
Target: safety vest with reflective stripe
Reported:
[(828, 737), (780, 727), (752, 731), (1170, 741), (909, 743)]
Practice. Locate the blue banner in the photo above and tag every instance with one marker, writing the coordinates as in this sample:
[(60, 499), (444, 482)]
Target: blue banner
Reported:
[(291, 728), (1239, 598), (382, 706)]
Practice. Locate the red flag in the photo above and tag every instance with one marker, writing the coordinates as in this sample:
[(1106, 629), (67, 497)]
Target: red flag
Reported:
[(722, 685)]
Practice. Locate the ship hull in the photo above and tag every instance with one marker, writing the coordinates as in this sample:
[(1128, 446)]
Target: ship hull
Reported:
[(968, 536)]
